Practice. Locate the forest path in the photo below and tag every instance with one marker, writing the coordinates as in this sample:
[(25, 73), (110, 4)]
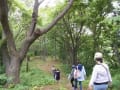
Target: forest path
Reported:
[(64, 83)]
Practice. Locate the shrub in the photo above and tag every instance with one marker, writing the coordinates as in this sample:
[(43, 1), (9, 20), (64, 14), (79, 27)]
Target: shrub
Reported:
[(36, 77), (3, 79), (116, 82), (2, 69)]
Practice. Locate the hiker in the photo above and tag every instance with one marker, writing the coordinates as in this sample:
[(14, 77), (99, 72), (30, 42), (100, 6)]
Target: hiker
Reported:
[(57, 75), (53, 71), (101, 75), (71, 76), (79, 76)]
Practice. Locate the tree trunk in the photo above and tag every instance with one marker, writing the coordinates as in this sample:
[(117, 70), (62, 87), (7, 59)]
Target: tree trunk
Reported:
[(12, 66), (117, 53), (74, 56), (11, 56), (13, 70)]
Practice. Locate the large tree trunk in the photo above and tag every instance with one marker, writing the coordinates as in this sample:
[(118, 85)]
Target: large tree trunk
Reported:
[(12, 65), (14, 57), (13, 70)]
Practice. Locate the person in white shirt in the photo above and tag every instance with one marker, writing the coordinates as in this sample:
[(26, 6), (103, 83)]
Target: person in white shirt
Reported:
[(101, 75), (80, 77)]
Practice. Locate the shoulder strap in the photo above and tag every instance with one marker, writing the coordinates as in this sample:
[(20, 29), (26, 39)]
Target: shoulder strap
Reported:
[(106, 71)]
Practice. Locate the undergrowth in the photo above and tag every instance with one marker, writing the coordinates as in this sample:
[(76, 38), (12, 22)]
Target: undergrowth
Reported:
[(31, 79)]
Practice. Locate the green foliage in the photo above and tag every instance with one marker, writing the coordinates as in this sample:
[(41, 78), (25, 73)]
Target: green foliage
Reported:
[(66, 68), (62, 88), (3, 79), (2, 69), (36, 78), (19, 87), (116, 81), (30, 53)]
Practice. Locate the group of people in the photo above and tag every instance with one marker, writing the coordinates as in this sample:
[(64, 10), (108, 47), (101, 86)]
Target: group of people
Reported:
[(77, 75), (100, 77)]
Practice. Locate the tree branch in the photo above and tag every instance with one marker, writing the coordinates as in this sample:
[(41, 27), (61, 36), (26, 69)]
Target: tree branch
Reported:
[(6, 27), (45, 30), (34, 17), (33, 35), (41, 2)]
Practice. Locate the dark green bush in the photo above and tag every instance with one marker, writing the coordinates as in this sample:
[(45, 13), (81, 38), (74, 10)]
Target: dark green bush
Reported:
[(3, 79), (2, 69), (66, 68), (116, 82)]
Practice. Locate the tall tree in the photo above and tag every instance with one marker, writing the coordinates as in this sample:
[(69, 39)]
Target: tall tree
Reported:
[(98, 9), (72, 31), (14, 57)]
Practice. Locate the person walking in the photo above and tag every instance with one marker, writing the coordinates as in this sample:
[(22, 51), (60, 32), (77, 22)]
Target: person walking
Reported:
[(100, 75), (71, 76), (79, 76), (57, 75), (53, 69)]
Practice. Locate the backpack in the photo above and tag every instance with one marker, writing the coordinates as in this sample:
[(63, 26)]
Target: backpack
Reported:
[(77, 73)]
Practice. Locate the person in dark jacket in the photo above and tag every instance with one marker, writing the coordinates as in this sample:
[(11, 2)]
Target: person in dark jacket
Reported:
[(57, 75), (72, 75)]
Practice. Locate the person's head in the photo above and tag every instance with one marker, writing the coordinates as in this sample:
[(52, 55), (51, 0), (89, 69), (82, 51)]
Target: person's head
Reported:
[(80, 67), (73, 66), (98, 57)]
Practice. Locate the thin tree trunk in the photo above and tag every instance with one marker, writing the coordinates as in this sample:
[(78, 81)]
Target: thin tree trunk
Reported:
[(27, 63), (117, 53), (74, 55)]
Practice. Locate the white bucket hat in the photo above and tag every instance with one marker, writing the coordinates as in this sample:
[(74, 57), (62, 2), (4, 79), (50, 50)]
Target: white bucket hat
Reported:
[(98, 55)]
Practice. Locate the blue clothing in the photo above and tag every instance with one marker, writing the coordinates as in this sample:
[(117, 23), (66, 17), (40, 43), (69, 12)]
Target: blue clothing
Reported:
[(80, 66), (80, 83), (83, 74), (101, 87), (73, 66), (81, 78)]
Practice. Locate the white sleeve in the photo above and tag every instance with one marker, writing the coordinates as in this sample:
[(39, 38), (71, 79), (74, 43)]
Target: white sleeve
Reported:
[(84, 71), (108, 72), (93, 77), (109, 75)]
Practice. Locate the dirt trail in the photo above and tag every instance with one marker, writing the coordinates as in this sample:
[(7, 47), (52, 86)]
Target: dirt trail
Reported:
[(46, 65), (64, 83)]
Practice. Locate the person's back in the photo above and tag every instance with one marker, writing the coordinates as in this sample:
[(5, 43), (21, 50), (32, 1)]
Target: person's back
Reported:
[(81, 68), (81, 76), (100, 74), (57, 75)]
